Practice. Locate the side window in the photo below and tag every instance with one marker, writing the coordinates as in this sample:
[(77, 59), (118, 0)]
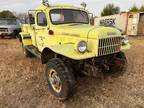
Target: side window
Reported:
[(41, 19)]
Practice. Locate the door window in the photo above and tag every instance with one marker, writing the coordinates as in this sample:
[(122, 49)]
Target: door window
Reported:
[(41, 19)]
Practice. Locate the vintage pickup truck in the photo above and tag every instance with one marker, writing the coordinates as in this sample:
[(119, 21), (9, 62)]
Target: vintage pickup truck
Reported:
[(9, 27), (63, 39)]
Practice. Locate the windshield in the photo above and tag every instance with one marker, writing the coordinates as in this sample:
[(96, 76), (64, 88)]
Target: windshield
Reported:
[(8, 22), (64, 16)]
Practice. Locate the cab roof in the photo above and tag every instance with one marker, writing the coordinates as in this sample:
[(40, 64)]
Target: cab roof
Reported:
[(44, 7)]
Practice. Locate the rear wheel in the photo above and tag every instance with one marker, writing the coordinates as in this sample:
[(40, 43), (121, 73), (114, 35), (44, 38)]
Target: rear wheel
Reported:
[(59, 78), (15, 34)]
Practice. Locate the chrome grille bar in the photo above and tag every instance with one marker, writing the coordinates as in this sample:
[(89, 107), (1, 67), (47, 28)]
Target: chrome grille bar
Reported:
[(109, 46)]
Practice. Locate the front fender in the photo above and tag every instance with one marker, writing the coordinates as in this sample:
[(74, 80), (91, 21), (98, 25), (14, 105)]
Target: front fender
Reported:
[(68, 50), (125, 47)]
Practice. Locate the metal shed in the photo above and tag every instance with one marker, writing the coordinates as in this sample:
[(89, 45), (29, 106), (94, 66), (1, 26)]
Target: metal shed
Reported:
[(131, 23)]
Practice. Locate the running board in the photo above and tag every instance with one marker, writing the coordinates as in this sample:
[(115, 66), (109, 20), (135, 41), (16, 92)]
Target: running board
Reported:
[(34, 51)]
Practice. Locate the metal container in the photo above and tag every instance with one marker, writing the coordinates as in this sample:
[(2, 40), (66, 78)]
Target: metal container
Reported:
[(130, 23)]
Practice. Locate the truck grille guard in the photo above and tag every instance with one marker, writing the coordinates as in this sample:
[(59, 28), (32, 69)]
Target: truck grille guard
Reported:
[(109, 46)]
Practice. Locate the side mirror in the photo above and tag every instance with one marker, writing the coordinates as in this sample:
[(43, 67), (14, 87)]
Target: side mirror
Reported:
[(45, 2), (84, 5), (91, 17)]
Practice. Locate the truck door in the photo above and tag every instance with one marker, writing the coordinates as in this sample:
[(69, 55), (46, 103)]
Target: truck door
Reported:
[(41, 29)]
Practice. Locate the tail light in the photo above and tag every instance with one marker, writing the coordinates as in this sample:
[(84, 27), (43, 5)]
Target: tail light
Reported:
[(51, 32)]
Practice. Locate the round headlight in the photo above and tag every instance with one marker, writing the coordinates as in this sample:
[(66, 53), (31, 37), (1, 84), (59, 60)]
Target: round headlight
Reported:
[(125, 40), (82, 46)]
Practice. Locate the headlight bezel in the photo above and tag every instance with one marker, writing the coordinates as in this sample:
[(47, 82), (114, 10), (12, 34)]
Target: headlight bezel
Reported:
[(81, 46)]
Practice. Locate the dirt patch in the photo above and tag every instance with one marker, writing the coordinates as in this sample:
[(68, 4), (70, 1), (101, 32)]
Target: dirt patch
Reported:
[(22, 83)]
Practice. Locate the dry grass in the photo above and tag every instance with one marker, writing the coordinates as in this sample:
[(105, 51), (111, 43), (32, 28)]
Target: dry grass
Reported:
[(22, 82)]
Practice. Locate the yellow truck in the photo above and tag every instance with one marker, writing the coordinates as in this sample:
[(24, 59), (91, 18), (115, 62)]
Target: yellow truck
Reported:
[(63, 39)]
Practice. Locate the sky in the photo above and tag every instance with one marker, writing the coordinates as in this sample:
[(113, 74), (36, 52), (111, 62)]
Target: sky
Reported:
[(94, 6)]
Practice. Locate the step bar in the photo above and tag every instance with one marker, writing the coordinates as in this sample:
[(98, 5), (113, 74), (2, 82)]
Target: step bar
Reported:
[(34, 51)]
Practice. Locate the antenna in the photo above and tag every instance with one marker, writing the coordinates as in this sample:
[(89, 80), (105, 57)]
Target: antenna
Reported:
[(45, 2), (83, 4)]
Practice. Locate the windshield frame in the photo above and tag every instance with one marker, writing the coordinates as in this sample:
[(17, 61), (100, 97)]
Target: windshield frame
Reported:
[(68, 22)]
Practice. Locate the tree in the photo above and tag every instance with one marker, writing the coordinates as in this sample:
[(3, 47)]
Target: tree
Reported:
[(142, 8), (7, 14), (23, 17), (134, 8), (110, 9)]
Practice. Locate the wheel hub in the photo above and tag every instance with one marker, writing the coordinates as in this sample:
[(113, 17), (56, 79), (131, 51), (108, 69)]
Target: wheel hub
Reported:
[(55, 80)]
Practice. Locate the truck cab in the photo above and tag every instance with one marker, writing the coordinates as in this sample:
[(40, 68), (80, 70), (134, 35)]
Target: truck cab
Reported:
[(64, 40)]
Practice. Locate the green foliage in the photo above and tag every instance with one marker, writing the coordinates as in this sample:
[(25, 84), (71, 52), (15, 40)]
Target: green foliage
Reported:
[(134, 8), (142, 8), (7, 14), (110, 9)]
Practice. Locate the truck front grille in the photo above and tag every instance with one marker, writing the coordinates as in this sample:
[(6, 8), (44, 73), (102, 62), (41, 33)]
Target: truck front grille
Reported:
[(109, 46), (3, 29)]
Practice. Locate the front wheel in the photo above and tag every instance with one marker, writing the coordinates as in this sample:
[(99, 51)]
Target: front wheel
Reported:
[(59, 78)]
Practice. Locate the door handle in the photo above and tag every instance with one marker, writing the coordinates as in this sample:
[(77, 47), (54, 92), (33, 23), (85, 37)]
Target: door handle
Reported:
[(40, 29)]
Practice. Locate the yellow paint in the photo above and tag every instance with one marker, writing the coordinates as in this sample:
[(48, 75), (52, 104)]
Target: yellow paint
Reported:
[(65, 35), (125, 47), (26, 41)]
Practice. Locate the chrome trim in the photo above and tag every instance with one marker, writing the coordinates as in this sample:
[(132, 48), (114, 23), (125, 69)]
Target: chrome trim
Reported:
[(109, 46)]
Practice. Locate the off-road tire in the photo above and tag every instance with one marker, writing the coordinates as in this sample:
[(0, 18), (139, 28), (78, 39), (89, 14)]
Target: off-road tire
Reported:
[(65, 75)]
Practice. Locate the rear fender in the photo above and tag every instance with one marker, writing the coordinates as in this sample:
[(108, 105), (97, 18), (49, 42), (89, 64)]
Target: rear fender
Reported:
[(25, 38)]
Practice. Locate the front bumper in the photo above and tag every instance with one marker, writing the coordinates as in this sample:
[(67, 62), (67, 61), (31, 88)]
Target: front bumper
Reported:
[(10, 33), (6, 33), (125, 47)]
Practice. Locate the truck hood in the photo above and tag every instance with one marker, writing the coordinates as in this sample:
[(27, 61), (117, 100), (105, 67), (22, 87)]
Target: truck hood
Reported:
[(86, 31)]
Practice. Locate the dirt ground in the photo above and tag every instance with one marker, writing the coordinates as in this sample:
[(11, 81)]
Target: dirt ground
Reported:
[(22, 83)]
